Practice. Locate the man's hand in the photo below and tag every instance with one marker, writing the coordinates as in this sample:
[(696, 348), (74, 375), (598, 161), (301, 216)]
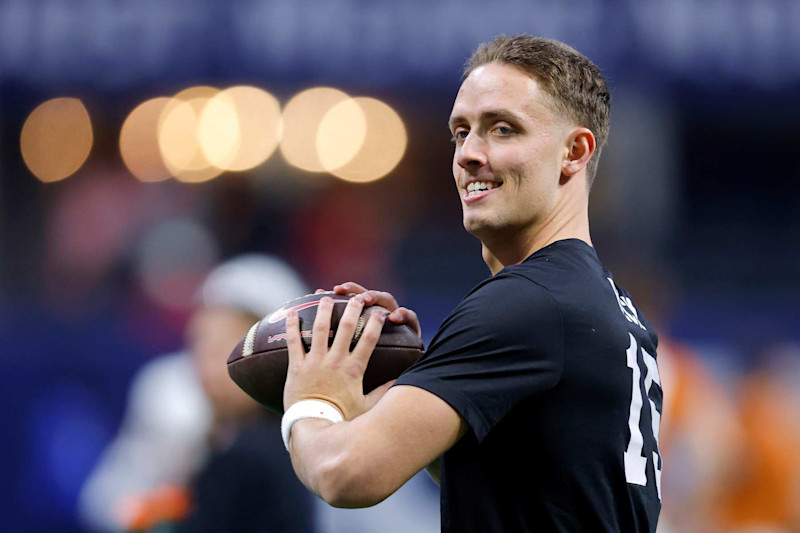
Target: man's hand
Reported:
[(398, 315), (333, 374), (381, 445)]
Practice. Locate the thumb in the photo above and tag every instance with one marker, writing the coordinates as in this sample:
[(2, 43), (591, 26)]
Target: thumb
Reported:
[(375, 396)]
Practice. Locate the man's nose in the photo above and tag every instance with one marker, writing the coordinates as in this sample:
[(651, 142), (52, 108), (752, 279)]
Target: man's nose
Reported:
[(472, 152)]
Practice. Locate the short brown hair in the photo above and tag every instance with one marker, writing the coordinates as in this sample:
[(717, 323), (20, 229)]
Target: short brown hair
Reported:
[(575, 85)]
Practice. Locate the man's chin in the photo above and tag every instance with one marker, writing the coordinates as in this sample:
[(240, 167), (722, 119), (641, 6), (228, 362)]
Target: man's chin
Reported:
[(478, 228)]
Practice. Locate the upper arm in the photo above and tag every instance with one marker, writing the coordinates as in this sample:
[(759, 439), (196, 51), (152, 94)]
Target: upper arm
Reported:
[(405, 431)]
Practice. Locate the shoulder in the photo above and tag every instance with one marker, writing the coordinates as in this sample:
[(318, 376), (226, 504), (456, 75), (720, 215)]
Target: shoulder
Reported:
[(506, 310), (558, 264), (583, 290), (507, 292)]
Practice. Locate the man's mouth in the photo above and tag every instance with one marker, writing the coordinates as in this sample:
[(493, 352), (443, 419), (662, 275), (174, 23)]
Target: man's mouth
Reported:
[(477, 187)]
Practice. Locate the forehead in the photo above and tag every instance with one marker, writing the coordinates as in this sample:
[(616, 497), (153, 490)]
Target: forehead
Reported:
[(494, 87)]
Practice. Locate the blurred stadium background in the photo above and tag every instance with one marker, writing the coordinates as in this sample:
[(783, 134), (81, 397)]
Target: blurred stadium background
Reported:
[(143, 142)]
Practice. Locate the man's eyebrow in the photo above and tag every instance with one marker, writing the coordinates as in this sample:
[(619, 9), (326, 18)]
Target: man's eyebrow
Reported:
[(490, 114), (455, 120), (502, 114)]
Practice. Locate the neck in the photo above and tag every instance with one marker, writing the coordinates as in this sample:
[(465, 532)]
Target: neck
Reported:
[(564, 222)]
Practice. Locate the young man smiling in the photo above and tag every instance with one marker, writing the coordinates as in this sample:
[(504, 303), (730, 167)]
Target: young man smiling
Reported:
[(538, 401)]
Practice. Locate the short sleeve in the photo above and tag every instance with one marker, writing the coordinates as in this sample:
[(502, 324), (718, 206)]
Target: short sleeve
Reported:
[(502, 344)]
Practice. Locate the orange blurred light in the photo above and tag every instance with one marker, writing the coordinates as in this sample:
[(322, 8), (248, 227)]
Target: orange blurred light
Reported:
[(302, 118), (138, 141), (240, 128), (178, 136), (56, 139), (382, 148), (199, 91), (341, 134)]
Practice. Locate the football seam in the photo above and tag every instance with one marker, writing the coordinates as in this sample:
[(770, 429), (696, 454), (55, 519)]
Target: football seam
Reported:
[(357, 334), (250, 340)]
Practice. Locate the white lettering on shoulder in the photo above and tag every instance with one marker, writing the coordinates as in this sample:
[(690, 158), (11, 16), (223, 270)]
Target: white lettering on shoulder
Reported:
[(626, 306)]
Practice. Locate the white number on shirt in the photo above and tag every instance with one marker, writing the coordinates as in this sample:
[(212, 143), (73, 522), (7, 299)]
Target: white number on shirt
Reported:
[(635, 462)]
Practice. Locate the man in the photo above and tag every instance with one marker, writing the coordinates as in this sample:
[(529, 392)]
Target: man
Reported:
[(540, 392)]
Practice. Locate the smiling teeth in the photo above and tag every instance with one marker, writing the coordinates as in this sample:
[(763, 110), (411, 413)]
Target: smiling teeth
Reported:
[(479, 186)]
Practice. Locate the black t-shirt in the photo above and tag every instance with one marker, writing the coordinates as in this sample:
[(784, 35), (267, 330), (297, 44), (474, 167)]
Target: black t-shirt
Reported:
[(554, 369)]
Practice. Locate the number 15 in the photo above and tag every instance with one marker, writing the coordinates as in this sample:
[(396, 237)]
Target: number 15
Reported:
[(635, 462)]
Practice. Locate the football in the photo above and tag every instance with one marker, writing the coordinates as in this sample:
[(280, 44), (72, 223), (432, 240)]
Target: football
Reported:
[(260, 361)]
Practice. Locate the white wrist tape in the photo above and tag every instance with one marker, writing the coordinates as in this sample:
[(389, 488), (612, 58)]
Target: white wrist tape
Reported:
[(307, 409)]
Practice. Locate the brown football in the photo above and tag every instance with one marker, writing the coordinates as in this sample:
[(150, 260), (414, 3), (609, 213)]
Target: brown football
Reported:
[(259, 362)]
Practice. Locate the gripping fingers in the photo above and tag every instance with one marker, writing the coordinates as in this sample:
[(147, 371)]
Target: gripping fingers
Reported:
[(384, 299), (369, 297), (349, 287), (294, 343), (403, 315), (347, 327), (369, 337), (322, 326)]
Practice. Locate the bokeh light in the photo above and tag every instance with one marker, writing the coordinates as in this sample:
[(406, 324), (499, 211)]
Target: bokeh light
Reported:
[(302, 116), (178, 137), (382, 148), (138, 141), (218, 131), (56, 139), (240, 128), (341, 134)]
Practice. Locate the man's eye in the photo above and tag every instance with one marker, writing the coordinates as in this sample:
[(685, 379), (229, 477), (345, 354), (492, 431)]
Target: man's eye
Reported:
[(504, 130), (459, 135)]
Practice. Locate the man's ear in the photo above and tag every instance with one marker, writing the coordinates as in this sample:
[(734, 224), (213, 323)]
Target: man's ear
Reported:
[(581, 145)]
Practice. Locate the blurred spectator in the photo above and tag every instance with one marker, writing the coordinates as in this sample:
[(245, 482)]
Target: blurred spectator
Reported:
[(226, 449), (764, 494), (700, 441), (161, 441)]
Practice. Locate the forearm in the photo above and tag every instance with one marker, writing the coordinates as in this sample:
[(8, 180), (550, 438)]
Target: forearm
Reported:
[(308, 452), (326, 459)]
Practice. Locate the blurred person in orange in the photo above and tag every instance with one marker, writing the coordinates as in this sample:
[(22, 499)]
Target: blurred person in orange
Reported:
[(193, 447), (700, 438), (764, 492)]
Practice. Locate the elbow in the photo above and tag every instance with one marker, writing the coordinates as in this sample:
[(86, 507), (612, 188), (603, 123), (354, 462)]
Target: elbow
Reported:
[(347, 483)]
